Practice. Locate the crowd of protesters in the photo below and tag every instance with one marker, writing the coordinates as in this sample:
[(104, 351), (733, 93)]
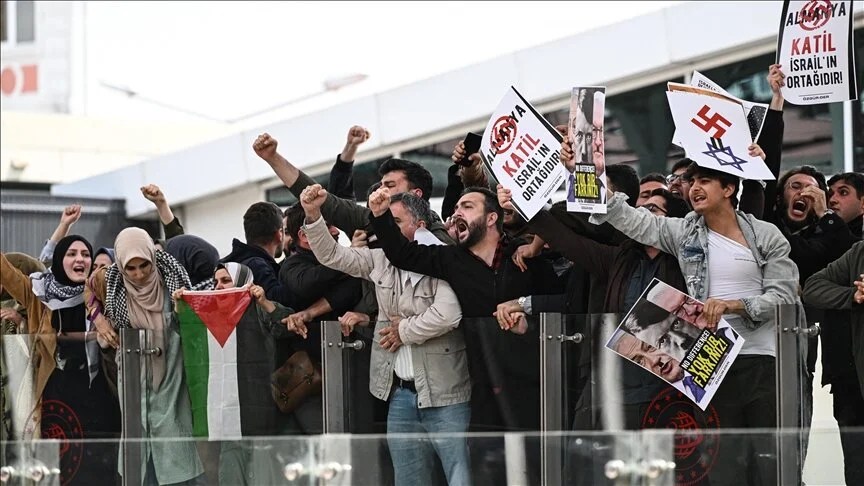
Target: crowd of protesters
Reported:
[(450, 303)]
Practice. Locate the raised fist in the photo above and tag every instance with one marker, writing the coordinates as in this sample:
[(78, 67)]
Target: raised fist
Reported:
[(265, 146), (357, 135), (311, 199), (379, 201), (153, 194), (70, 215)]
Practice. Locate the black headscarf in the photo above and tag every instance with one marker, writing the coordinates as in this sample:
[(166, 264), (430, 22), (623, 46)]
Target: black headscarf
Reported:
[(60, 252), (197, 256), (69, 319)]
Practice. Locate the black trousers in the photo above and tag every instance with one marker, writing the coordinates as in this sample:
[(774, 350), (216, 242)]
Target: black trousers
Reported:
[(747, 399), (849, 412)]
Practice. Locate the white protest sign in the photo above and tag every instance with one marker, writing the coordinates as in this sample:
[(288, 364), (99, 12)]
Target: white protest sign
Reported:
[(700, 84), (714, 133), (523, 151), (755, 112), (815, 50)]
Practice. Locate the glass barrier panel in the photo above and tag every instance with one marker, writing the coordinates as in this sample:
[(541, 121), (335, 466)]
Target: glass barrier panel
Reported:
[(37, 461), (60, 388)]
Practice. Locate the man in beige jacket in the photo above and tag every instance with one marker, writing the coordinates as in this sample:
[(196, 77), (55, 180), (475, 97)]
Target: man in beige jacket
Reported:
[(419, 363)]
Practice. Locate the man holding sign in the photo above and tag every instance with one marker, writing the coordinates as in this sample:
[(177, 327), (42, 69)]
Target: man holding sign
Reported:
[(740, 268)]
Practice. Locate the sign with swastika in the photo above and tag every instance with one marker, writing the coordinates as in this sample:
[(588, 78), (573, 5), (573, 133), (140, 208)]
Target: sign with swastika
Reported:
[(714, 133)]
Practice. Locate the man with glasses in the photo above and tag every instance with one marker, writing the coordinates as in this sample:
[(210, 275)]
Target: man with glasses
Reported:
[(677, 184)]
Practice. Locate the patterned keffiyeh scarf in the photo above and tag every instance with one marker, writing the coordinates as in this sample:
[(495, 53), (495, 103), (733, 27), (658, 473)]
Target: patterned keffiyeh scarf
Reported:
[(116, 309), (54, 294)]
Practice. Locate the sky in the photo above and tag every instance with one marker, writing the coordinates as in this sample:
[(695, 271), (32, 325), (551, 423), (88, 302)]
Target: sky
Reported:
[(228, 59)]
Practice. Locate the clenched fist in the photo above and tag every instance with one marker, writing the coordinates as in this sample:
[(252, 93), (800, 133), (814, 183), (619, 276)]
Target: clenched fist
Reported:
[(379, 201), (357, 135), (312, 198), (70, 215), (265, 146), (153, 194)]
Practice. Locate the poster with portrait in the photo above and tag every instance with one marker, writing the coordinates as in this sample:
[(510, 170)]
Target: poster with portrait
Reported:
[(523, 152), (666, 333), (586, 174), (815, 48)]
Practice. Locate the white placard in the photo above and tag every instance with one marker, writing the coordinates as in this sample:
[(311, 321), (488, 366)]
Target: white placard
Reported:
[(815, 50), (522, 150), (715, 134)]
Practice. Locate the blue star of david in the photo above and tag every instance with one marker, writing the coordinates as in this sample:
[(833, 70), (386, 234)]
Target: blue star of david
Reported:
[(716, 147)]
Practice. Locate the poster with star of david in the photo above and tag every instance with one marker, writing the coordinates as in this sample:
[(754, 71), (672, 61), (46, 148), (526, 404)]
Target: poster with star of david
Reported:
[(714, 133)]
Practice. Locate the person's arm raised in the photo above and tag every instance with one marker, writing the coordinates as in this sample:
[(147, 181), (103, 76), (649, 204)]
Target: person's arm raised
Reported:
[(70, 216), (170, 223), (265, 147), (404, 254)]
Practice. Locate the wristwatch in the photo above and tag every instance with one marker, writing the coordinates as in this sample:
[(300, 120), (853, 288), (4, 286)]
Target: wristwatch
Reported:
[(521, 302)]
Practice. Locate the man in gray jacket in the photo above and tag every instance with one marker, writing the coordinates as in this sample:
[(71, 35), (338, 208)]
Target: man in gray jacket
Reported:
[(419, 363), (740, 267)]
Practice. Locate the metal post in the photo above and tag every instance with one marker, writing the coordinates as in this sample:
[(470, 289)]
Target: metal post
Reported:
[(790, 363), (333, 371), (131, 343), (551, 401)]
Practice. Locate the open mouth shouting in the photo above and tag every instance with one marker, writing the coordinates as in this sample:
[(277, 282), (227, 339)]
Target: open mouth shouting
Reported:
[(79, 271), (799, 208), (461, 228), (696, 199)]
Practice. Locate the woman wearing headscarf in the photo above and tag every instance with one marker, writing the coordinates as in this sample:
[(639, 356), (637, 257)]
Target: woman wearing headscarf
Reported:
[(135, 293), (76, 402), (241, 462), (196, 255), (103, 257)]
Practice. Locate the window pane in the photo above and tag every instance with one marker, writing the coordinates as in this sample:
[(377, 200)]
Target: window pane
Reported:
[(26, 21)]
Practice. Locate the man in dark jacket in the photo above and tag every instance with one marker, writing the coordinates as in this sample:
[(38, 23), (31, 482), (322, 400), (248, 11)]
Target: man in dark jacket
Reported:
[(263, 226), (482, 274), (840, 287), (320, 293)]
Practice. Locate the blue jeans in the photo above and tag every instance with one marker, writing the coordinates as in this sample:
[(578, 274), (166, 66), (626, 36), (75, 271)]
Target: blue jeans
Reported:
[(413, 457)]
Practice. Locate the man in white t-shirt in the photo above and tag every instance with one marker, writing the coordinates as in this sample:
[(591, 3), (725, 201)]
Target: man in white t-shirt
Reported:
[(740, 267)]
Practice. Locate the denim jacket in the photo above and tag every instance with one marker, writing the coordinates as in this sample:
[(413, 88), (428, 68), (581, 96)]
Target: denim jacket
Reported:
[(687, 239)]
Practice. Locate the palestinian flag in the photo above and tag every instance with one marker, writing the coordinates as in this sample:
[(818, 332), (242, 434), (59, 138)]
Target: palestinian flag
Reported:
[(228, 358)]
